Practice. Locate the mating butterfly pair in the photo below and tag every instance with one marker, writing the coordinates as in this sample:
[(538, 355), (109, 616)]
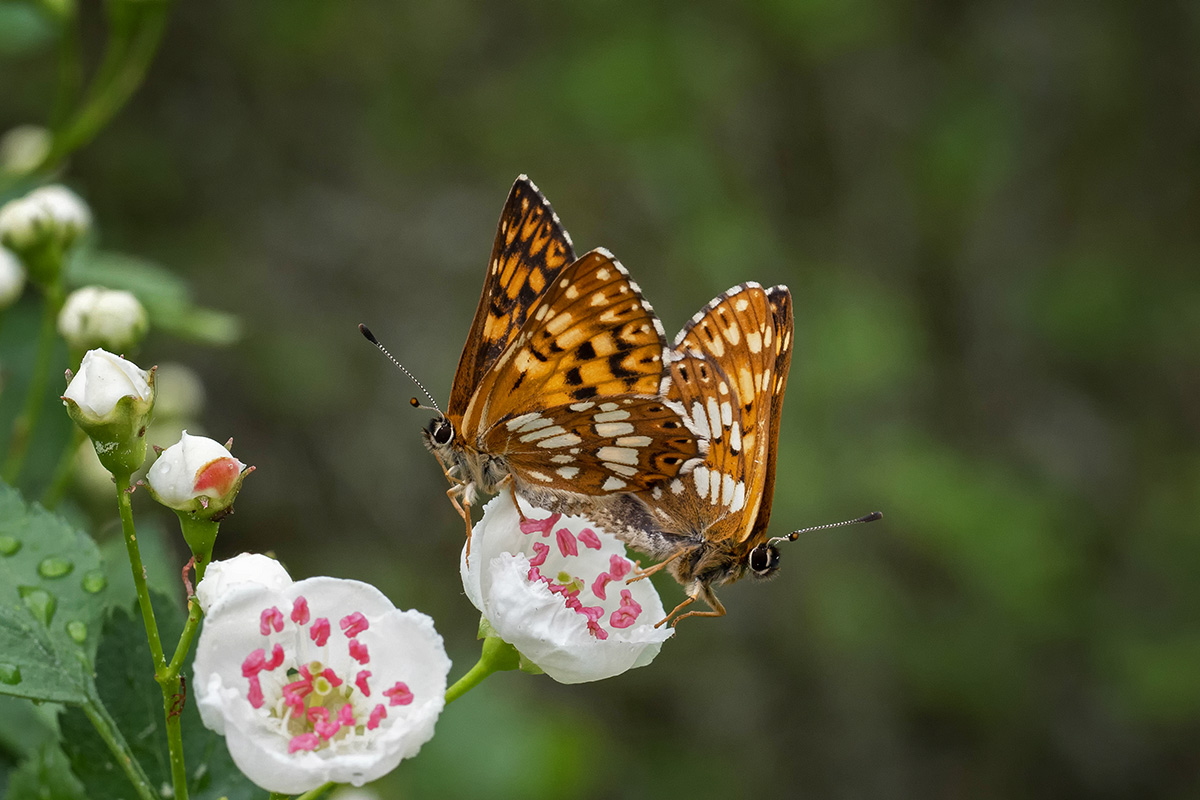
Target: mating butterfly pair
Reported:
[(567, 393)]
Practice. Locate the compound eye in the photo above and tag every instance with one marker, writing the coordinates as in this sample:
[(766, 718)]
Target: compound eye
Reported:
[(764, 560), (443, 432)]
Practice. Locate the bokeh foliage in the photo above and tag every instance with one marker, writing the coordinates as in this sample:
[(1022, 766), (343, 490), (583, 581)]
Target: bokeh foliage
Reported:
[(987, 213)]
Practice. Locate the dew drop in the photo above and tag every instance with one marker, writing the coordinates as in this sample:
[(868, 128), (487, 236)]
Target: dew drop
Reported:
[(10, 674), (95, 581), (9, 546), (40, 603), (55, 567), (77, 631)]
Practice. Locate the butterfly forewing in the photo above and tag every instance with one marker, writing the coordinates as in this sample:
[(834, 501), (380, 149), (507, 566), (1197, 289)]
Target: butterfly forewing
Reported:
[(780, 300), (530, 250)]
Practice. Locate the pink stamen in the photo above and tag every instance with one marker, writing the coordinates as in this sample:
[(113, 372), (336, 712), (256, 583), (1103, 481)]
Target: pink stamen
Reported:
[(319, 631), (377, 713), (354, 624), (276, 658), (566, 542), (542, 549), (398, 695), (346, 716), (360, 680), (602, 580), (254, 663), (327, 730), (255, 695), (628, 613), (300, 611), (358, 651), (589, 539), (305, 673), (542, 525), (305, 741), (270, 618), (317, 714), (332, 677), (619, 566)]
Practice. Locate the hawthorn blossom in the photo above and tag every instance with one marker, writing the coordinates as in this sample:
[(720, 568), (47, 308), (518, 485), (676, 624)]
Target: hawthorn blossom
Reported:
[(97, 317), (196, 474), (554, 587), (314, 681)]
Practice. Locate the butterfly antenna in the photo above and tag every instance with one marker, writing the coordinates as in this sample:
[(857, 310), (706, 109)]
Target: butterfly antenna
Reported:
[(365, 331), (794, 535)]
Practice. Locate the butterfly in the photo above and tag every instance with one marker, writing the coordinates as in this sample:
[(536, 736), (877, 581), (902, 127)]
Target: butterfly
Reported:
[(728, 369), (557, 391)]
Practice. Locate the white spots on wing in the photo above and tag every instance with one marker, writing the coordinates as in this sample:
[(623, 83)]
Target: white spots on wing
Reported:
[(611, 416), (622, 469), (584, 406), (715, 346), (540, 314), (723, 387), (726, 413), (574, 451), (603, 273), (742, 304), (619, 455), (599, 298), (611, 429), (564, 283), (745, 384), (517, 422), (727, 488), (559, 324), (700, 478), (634, 441), (572, 292), (613, 484), (754, 341), (534, 425), (656, 492), (768, 336), (495, 266), (676, 486), (699, 418), (658, 327), (735, 437), (542, 432), (562, 459), (541, 476), (714, 486), (714, 418), (733, 334), (568, 472), (609, 406), (738, 501), (571, 339), (563, 440)]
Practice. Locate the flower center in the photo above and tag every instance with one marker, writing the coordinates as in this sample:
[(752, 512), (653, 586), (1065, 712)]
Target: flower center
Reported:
[(305, 699)]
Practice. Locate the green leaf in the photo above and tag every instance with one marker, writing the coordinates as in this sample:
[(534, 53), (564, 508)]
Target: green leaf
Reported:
[(45, 775), (24, 727), (127, 687), (52, 598)]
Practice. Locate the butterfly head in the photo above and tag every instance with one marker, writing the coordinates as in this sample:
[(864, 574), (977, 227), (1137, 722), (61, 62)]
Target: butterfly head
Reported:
[(439, 433), (763, 561)]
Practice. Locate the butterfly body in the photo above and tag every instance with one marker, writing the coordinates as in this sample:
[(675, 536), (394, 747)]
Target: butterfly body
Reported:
[(728, 369), (558, 390)]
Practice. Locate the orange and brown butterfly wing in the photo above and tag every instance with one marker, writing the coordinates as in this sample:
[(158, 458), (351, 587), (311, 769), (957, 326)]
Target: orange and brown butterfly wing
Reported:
[(780, 300), (530, 250), (606, 446), (591, 341)]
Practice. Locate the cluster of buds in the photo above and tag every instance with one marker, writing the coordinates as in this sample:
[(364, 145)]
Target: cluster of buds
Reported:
[(41, 226), (95, 317)]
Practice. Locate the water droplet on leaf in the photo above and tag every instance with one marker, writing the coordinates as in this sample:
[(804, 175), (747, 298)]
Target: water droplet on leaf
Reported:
[(40, 603), (95, 581), (55, 567), (9, 673), (77, 631), (9, 546)]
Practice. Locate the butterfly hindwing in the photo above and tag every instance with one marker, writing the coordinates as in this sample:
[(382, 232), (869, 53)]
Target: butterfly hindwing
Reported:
[(530, 250), (603, 446)]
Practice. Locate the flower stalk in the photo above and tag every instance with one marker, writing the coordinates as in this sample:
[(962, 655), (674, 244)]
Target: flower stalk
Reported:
[(497, 656)]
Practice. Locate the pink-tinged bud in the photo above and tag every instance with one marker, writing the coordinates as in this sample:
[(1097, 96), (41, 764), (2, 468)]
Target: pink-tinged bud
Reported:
[(196, 476)]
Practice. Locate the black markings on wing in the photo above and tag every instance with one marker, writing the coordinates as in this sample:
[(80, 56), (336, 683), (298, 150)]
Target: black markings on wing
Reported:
[(530, 250)]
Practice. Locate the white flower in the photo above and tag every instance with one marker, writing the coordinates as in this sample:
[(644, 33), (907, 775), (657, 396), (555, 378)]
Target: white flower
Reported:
[(103, 379), (12, 278), (23, 148), (315, 681), (49, 212), (194, 474), (554, 588), (97, 317)]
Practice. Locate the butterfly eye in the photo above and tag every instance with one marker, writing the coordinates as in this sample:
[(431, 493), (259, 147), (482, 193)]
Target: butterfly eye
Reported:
[(441, 430), (764, 560)]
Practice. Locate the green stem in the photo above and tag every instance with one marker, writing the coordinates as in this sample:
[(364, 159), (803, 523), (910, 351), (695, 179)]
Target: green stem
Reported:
[(498, 655), (125, 506), (70, 68), (313, 794), (173, 699), (24, 425), (107, 728)]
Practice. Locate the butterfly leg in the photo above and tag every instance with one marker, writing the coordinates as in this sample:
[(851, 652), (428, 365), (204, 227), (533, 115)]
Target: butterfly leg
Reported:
[(717, 610), (512, 488), (640, 574)]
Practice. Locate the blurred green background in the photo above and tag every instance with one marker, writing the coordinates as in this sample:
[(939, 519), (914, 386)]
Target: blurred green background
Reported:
[(988, 216)]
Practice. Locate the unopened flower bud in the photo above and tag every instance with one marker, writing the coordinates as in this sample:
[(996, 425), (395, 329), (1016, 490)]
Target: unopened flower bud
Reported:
[(23, 148), (197, 476), (111, 399), (12, 278), (41, 226), (97, 317)]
